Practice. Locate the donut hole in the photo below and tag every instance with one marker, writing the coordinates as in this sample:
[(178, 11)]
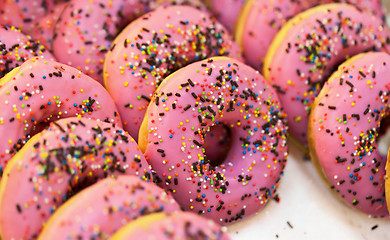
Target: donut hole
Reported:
[(384, 136), (217, 143)]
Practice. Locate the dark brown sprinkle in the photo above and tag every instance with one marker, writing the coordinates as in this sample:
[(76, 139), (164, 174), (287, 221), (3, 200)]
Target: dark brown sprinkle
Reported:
[(16, 88), (18, 208), (362, 74), (145, 97), (112, 47), (289, 224), (187, 107), (332, 107), (59, 127), (190, 82), (31, 75), (373, 74), (374, 227)]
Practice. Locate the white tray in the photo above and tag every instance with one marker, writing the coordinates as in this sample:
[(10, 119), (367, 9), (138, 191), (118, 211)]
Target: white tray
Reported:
[(308, 210)]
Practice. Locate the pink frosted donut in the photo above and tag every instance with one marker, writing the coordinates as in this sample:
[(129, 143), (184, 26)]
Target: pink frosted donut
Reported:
[(309, 47), (262, 19), (57, 163), (27, 15), (187, 104), (15, 48), (86, 29), (103, 208), (344, 131), (41, 91), (152, 47), (227, 11), (178, 225)]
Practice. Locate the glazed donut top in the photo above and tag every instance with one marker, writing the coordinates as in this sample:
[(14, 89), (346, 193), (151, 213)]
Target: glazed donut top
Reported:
[(189, 102), (344, 131), (86, 29), (41, 91), (310, 46), (57, 163), (104, 207), (174, 226), (15, 48)]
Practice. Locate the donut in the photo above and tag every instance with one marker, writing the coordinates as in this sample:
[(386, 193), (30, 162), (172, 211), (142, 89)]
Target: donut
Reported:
[(27, 15), (187, 104), (86, 29), (226, 11), (57, 163), (152, 47), (16, 48), (177, 225), (309, 48), (41, 91), (101, 209), (343, 131), (261, 20)]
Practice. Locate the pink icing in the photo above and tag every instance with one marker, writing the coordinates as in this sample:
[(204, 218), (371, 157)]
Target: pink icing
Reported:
[(56, 164), (227, 11), (312, 49), (86, 29), (103, 208), (190, 101), (345, 125), (178, 225), (151, 48), (266, 17), (15, 48), (42, 91)]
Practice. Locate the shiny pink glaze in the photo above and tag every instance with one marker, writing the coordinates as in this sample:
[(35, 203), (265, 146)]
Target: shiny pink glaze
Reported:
[(151, 48), (266, 17), (178, 225), (59, 162), (345, 126), (86, 29), (187, 104), (103, 208), (42, 91), (227, 11), (27, 15), (15, 48), (312, 49)]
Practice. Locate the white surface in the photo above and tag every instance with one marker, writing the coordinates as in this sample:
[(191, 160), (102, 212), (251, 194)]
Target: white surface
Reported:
[(311, 209)]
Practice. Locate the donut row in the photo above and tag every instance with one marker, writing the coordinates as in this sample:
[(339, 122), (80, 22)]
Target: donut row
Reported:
[(171, 80)]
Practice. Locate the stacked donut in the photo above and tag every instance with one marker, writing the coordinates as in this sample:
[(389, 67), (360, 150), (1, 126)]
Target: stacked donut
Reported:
[(120, 109)]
